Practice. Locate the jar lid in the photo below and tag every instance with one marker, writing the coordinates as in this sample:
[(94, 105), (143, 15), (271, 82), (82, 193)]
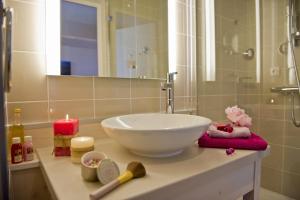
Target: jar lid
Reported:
[(16, 140), (28, 138), (107, 171)]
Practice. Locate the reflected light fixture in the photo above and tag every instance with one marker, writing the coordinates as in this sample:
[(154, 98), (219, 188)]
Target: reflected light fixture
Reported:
[(172, 35), (210, 41)]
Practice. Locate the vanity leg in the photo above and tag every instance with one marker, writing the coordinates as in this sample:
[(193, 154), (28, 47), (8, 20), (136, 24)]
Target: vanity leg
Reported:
[(254, 194)]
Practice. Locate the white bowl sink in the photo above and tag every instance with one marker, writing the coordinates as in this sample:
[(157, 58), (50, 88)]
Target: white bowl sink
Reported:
[(155, 134)]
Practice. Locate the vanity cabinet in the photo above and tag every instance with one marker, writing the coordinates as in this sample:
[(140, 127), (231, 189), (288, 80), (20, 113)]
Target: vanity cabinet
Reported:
[(28, 184), (197, 173)]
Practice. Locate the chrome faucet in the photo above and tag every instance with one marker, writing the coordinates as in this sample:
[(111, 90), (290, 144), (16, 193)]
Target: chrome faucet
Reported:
[(168, 86)]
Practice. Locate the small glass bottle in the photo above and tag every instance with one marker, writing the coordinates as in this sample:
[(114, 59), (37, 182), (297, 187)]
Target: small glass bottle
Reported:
[(16, 151), (27, 149), (15, 130)]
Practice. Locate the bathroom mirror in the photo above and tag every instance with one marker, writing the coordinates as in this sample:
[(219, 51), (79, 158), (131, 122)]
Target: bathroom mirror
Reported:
[(107, 38)]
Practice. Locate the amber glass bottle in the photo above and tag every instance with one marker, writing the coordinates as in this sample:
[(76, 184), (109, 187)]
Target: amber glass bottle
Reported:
[(15, 130)]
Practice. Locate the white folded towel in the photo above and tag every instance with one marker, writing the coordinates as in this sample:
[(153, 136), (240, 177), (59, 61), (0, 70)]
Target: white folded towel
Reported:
[(236, 133)]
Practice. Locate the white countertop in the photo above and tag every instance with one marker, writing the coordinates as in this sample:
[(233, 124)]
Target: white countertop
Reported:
[(64, 177)]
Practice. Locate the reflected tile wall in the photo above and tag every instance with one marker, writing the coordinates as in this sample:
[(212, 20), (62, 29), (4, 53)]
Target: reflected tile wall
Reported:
[(235, 79), (281, 170), (235, 82)]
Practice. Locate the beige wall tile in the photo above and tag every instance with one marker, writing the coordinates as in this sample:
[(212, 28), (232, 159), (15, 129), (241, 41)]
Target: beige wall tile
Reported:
[(35, 112), (109, 108), (112, 88), (292, 136), (70, 88), (289, 108), (29, 25), (200, 20), (180, 84), (41, 137), (182, 50), (28, 78), (211, 88), (179, 103), (223, 58), (271, 179), (247, 83), (256, 125), (275, 159), (251, 103), (213, 103), (190, 103), (93, 130), (272, 107), (145, 88), (271, 58), (145, 105), (272, 130), (292, 160), (291, 184), (76, 109), (181, 18), (200, 56)]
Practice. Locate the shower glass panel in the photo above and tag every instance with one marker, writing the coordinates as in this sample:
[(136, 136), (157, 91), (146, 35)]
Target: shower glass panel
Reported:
[(234, 81), (281, 171), (240, 81)]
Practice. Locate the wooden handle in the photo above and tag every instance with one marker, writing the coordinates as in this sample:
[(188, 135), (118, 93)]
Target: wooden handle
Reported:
[(104, 189)]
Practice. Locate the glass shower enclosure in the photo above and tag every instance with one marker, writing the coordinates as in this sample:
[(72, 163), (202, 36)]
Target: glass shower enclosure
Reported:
[(242, 53)]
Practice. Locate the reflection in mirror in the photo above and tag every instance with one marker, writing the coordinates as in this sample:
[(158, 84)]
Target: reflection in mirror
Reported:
[(138, 38), (79, 53), (83, 36), (108, 38)]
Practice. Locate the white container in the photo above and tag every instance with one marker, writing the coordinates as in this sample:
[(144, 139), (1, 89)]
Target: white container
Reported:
[(90, 173), (80, 146)]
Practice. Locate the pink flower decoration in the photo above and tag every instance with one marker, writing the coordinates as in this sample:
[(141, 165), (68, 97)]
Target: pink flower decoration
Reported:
[(245, 120), (238, 116)]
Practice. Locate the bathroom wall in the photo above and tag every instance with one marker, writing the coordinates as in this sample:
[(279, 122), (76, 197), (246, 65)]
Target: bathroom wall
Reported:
[(46, 98), (281, 170)]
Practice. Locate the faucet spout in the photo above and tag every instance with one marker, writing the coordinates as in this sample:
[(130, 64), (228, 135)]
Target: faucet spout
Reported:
[(168, 86)]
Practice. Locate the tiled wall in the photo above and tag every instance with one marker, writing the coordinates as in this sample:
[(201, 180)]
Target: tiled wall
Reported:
[(46, 98), (281, 170), (235, 84), (153, 12)]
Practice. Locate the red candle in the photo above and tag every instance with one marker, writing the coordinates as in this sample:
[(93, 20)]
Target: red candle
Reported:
[(66, 126)]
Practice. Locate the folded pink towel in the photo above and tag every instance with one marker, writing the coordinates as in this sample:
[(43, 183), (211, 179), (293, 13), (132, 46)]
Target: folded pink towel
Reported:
[(228, 131), (254, 142)]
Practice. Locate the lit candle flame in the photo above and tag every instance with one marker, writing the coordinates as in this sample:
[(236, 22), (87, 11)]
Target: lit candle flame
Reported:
[(67, 116)]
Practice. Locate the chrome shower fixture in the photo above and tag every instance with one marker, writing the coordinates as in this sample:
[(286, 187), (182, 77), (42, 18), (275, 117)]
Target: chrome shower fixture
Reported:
[(293, 36)]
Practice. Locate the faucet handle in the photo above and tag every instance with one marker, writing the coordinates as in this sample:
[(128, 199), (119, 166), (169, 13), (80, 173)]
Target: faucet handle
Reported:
[(170, 76)]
